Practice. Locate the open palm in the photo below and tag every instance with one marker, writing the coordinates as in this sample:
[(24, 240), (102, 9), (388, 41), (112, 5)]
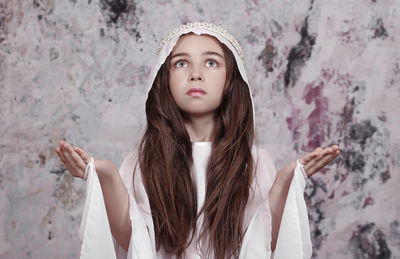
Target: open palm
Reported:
[(318, 159), (74, 158)]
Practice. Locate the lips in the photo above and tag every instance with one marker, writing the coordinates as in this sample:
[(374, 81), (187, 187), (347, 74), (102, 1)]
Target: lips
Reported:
[(196, 92)]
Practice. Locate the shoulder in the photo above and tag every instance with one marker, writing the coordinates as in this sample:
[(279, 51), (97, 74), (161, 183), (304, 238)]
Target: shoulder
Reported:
[(127, 167), (263, 159), (133, 181), (129, 159)]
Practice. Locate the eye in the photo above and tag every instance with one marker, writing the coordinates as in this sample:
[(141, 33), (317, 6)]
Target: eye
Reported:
[(211, 63), (181, 63)]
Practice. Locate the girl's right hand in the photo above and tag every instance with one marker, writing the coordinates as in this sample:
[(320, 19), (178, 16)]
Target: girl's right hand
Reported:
[(74, 159)]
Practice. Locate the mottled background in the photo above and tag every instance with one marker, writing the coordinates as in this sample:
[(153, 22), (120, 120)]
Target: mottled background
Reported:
[(322, 72)]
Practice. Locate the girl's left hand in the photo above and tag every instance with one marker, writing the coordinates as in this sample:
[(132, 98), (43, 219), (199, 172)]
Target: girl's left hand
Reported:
[(312, 163), (318, 159)]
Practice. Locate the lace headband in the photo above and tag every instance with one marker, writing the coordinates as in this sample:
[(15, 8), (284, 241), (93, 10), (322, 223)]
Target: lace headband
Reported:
[(206, 26)]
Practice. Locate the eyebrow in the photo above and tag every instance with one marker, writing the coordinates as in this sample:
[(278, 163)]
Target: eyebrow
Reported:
[(182, 54)]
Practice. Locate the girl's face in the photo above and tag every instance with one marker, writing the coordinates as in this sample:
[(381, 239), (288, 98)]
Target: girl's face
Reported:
[(197, 74)]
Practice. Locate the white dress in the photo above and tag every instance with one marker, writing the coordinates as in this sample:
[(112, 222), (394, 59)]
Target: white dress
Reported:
[(294, 235)]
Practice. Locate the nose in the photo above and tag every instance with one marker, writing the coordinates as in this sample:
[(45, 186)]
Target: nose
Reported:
[(196, 75), (196, 78)]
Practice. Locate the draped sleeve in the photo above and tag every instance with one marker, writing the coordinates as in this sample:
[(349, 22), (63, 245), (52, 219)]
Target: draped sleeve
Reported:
[(294, 239), (95, 233), (294, 234)]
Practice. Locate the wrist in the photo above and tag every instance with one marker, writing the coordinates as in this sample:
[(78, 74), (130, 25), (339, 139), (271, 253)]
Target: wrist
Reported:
[(89, 166), (303, 171)]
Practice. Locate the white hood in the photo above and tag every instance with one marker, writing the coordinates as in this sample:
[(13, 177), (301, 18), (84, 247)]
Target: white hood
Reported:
[(167, 45)]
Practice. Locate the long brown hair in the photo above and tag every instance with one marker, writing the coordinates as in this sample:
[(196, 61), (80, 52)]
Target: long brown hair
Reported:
[(165, 160)]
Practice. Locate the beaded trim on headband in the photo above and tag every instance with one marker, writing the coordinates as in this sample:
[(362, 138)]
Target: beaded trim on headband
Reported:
[(207, 26)]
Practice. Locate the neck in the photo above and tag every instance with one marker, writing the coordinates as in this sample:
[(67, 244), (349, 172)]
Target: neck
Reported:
[(200, 128)]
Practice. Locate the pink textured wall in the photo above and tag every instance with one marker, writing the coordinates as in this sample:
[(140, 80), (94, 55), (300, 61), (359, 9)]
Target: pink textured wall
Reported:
[(322, 72)]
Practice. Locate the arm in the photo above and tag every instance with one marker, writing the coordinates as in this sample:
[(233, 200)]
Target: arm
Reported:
[(116, 200), (115, 195), (277, 199), (312, 163)]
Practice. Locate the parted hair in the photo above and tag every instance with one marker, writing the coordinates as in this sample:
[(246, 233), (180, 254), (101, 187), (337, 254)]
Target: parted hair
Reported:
[(165, 162)]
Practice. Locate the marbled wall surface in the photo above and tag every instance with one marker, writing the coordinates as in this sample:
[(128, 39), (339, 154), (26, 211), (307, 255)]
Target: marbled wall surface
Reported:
[(322, 72)]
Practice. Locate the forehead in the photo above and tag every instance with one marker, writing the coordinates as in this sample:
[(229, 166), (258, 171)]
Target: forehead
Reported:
[(193, 43)]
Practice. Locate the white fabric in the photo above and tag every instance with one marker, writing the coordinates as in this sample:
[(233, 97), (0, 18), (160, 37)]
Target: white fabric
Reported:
[(293, 241), (95, 231)]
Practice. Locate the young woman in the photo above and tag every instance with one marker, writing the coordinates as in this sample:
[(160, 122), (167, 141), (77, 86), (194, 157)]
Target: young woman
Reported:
[(198, 186)]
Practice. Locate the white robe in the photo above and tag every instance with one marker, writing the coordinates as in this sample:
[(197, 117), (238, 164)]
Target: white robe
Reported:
[(294, 234)]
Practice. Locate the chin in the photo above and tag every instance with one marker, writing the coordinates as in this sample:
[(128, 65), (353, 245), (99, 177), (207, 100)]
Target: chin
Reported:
[(198, 112)]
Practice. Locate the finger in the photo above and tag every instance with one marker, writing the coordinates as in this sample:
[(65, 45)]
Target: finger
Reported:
[(336, 151), (60, 154), (325, 152), (307, 158), (65, 146), (321, 164), (73, 158), (335, 147), (75, 168), (67, 155), (85, 157), (313, 161), (316, 163), (62, 146), (62, 143), (73, 154), (318, 150), (331, 149), (307, 169), (68, 147)]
